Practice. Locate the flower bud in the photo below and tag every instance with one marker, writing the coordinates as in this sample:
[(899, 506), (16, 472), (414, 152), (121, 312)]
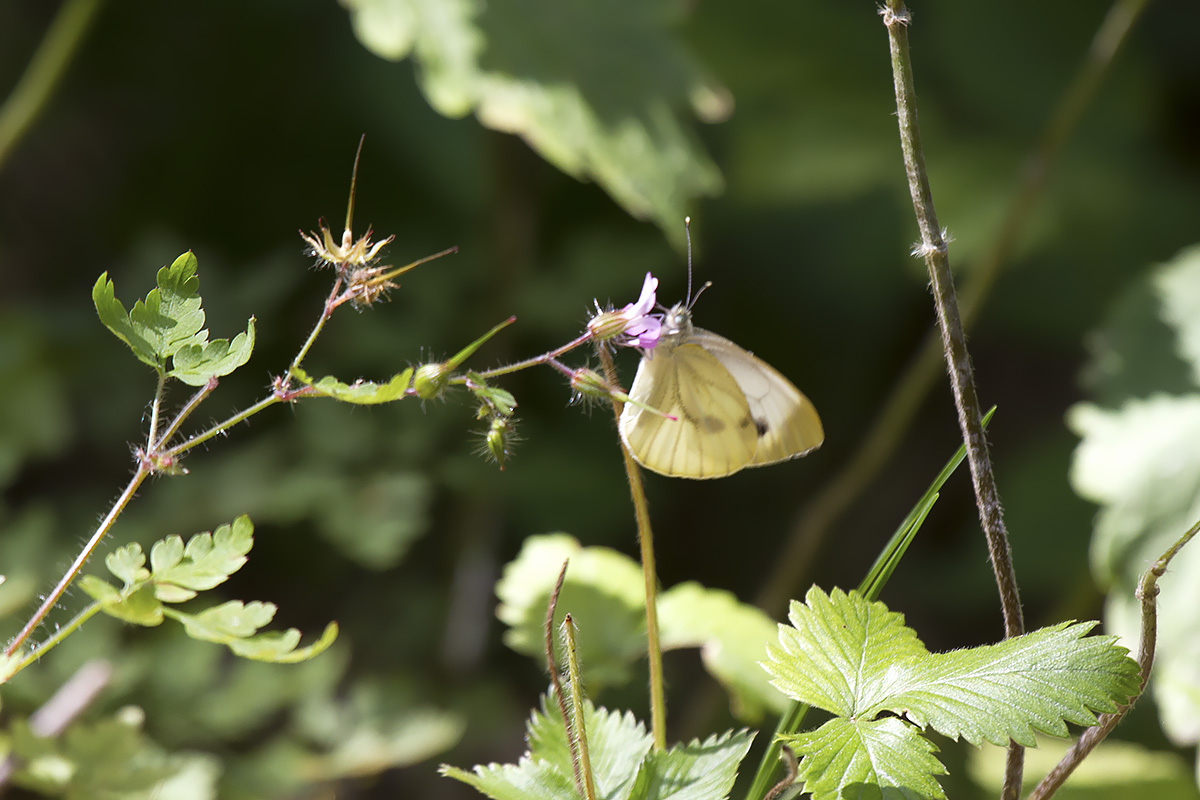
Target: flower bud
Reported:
[(429, 380), (589, 383)]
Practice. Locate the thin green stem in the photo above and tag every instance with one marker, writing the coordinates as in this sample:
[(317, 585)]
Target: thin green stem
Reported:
[(59, 636), (51, 599), (1147, 593), (45, 70), (155, 410), (316, 331), (958, 360), (184, 413), (221, 427), (880, 443), (641, 511), (544, 358)]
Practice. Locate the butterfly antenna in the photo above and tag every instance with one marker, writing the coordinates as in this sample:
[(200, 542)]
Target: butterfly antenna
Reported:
[(687, 232)]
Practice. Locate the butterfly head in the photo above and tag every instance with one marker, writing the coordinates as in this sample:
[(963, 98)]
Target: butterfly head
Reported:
[(677, 324)]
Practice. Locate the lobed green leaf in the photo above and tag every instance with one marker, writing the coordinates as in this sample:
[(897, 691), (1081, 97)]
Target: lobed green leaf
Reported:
[(195, 364), (208, 559), (359, 392), (169, 324)]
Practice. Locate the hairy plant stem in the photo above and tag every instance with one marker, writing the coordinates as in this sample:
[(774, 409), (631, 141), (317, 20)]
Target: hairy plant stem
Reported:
[(958, 360), (577, 726), (556, 682), (1147, 593), (813, 525), (45, 69), (139, 475), (641, 510)]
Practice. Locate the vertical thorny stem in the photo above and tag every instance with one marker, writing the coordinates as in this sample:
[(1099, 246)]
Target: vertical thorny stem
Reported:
[(962, 380)]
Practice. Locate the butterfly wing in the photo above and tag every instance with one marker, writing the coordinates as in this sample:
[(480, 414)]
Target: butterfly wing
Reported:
[(786, 422), (713, 433)]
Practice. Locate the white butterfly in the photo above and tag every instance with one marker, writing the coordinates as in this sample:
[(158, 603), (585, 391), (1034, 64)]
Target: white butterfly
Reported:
[(731, 410)]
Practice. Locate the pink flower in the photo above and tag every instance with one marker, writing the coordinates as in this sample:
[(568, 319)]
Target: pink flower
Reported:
[(634, 325)]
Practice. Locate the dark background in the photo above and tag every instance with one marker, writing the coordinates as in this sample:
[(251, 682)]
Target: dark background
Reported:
[(223, 127)]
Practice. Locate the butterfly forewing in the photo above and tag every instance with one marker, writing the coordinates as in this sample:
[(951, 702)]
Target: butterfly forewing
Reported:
[(786, 422), (713, 434)]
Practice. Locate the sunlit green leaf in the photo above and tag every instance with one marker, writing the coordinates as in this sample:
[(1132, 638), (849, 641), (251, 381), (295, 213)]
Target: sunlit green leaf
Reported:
[(128, 563), (169, 324), (858, 660), (880, 757), (617, 744), (693, 771), (194, 364), (207, 561), (139, 605)]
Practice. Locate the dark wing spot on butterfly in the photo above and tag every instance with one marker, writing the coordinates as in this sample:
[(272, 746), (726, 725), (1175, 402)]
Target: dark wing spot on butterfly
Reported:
[(760, 425), (710, 424)]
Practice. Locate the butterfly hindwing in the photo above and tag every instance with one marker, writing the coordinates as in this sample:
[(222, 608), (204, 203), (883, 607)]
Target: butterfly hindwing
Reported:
[(786, 422), (713, 434)]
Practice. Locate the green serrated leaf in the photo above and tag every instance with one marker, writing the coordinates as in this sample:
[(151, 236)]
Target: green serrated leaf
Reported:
[(867, 758), (617, 744), (99, 589), (858, 660), (128, 563), (1007, 690), (171, 316), (114, 316), (206, 562), (195, 364), (694, 771), (732, 637), (359, 392), (600, 91), (837, 651)]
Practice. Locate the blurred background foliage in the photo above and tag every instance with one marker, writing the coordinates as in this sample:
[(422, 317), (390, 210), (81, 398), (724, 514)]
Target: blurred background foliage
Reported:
[(223, 127)]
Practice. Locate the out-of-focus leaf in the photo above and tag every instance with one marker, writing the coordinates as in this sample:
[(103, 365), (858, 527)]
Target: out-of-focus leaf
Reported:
[(597, 89), (1115, 771), (732, 637), (33, 403), (110, 758), (1138, 460), (139, 606), (603, 591)]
